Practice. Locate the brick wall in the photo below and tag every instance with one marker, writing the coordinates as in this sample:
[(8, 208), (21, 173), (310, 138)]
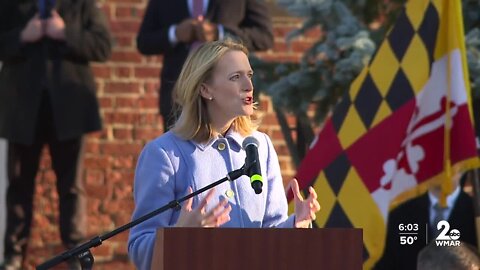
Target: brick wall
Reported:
[(127, 90)]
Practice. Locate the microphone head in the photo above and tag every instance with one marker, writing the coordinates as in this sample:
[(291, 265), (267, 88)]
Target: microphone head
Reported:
[(257, 186), (252, 163), (250, 140)]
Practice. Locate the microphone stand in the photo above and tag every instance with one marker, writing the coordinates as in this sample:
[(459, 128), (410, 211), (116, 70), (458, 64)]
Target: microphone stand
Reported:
[(82, 252)]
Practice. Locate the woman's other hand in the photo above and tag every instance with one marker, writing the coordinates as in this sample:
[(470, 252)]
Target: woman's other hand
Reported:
[(305, 209), (199, 217)]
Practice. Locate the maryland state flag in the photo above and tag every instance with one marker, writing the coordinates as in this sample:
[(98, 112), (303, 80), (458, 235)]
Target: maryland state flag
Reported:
[(405, 121)]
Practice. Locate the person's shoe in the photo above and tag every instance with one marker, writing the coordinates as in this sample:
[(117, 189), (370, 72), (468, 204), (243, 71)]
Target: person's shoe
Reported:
[(12, 263)]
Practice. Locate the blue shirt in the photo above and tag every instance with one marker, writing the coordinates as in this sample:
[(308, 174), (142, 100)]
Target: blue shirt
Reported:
[(450, 204), (168, 165)]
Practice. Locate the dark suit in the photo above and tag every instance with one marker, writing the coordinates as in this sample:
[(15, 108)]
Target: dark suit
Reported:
[(47, 96), (416, 211), (245, 19)]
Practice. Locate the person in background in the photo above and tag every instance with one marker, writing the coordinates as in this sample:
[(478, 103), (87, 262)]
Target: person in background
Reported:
[(426, 212), (215, 95), (174, 28), (463, 257), (47, 96)]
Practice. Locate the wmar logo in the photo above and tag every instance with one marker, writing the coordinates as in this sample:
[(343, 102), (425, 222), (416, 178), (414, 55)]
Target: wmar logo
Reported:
[(447, 237)]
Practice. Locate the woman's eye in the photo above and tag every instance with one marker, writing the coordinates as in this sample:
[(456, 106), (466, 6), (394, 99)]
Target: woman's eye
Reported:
[(234, 77)]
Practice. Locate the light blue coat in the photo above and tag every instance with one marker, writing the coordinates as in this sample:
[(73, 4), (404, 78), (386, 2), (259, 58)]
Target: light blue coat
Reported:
[(169, 164)]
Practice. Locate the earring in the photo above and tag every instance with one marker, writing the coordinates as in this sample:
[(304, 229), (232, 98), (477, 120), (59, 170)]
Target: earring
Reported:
[(210, 98)]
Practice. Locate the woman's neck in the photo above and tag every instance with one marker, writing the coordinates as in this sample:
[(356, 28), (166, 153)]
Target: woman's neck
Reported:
[(219, 122), (222, 128)]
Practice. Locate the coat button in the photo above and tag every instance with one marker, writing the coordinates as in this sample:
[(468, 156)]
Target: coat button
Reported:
[(221, 146), (229, 193)]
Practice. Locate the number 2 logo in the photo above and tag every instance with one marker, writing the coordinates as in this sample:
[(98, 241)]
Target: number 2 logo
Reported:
[(446, 227)]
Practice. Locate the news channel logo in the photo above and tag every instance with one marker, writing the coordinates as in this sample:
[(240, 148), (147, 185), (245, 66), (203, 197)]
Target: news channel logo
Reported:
[(409, 234), (447, 237)]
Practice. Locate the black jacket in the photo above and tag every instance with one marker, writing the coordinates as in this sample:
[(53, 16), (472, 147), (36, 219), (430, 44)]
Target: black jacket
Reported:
[(62, 68)]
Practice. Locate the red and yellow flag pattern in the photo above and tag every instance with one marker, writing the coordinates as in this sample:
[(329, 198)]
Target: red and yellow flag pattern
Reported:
[(405, 121)]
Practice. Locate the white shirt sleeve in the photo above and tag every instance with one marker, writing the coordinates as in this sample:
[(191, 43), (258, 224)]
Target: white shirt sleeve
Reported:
[(171, 35)]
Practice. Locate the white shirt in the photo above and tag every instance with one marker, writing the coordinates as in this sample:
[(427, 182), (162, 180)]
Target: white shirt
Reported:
[(450, 203)]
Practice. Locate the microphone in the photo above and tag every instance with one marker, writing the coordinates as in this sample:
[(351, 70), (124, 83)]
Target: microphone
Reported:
[(250, 145)]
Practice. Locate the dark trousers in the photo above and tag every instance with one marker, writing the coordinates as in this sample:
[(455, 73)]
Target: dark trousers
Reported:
[(23, 164)]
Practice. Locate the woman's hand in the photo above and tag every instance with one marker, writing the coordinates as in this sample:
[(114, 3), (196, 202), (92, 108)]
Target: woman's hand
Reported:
[(305, 209), (198, 217)]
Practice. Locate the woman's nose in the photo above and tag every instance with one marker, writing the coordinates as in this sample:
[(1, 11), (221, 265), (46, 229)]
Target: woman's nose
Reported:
[(248, 85)]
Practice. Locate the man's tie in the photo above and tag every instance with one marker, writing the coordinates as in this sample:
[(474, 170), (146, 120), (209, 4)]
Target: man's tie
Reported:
[(438, 215), (197, 10)]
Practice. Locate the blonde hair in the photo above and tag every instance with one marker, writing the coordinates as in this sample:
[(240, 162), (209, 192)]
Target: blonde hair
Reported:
[(194, 122)]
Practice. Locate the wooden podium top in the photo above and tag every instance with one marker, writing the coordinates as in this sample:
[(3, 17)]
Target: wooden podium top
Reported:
[(236, 248)]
